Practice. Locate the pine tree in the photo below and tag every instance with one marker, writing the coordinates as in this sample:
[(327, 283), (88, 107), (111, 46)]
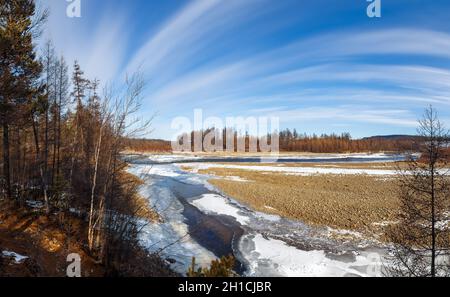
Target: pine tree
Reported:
[(19, 71)]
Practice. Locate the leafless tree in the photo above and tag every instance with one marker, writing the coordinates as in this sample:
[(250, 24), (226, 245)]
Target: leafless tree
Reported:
[(420, 238)]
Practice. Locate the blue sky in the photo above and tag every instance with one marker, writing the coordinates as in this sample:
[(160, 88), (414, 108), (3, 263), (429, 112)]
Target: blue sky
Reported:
[(322, 66)]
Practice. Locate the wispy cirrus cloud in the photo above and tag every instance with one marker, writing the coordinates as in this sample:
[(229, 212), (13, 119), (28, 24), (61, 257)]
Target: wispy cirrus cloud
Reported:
[(264, 71), (187, 36), (320, 61), (351, 113), (99, 44)]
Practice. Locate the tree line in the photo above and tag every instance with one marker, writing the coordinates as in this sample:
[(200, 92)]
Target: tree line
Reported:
[(147, 145), (292, 141), (342, 143)]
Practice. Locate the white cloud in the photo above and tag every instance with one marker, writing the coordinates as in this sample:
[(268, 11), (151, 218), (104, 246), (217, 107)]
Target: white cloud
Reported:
[(269, 68), (406, 76), (99, 45), (186, 68), (185, 35), (348, 113)]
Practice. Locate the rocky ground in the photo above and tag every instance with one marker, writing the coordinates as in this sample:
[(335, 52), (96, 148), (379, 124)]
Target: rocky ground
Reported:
[(352, 202)]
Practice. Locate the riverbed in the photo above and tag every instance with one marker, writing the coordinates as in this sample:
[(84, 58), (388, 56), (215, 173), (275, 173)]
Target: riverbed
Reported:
[(199, 221)]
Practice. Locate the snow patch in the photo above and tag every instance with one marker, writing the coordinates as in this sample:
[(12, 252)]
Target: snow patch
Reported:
[(343, 232), (284, 260), (171, 158), (236, 179), (270, 208), (213, 203), (143, 170), (303, 171), (35, 204), (17, 257)]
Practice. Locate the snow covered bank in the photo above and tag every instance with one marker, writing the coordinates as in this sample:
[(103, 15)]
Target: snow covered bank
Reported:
[(170, 237), (303, 171)]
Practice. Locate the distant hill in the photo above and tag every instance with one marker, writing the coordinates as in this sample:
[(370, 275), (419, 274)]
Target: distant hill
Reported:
[(398, 137)]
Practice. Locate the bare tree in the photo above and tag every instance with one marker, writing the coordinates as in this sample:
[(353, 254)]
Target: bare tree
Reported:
[(420, 239)]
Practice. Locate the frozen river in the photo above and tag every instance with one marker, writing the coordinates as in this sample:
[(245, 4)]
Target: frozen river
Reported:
[(201, 222)]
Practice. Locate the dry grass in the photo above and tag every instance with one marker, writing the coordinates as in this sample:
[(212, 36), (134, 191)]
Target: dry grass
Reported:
[(352, 202), (145, 211), (140, 204)]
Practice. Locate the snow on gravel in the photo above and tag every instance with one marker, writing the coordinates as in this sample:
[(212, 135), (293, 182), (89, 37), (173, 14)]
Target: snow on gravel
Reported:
[(304, 171), (236, 179), (213, 203)]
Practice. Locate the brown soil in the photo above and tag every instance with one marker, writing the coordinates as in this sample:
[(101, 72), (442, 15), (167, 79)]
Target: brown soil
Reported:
[(351, 202), (46, 243), (42, 240)]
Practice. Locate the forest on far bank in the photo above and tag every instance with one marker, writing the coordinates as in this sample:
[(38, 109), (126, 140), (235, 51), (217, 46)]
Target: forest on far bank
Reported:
[(292, 141)]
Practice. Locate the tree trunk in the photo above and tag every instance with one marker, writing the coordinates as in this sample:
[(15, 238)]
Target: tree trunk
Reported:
[(433, 221), (41, 169), (91, 228), (6, 160)]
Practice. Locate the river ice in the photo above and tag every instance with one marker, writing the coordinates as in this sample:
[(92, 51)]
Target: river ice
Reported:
[(170, 237), (214, 203)]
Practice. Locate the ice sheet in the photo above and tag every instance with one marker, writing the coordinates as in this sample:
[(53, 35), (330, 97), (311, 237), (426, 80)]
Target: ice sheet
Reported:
[(212, 203), (268, 256)]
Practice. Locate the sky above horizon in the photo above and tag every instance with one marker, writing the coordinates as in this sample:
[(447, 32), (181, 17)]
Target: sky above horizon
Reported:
[(321, 66)]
